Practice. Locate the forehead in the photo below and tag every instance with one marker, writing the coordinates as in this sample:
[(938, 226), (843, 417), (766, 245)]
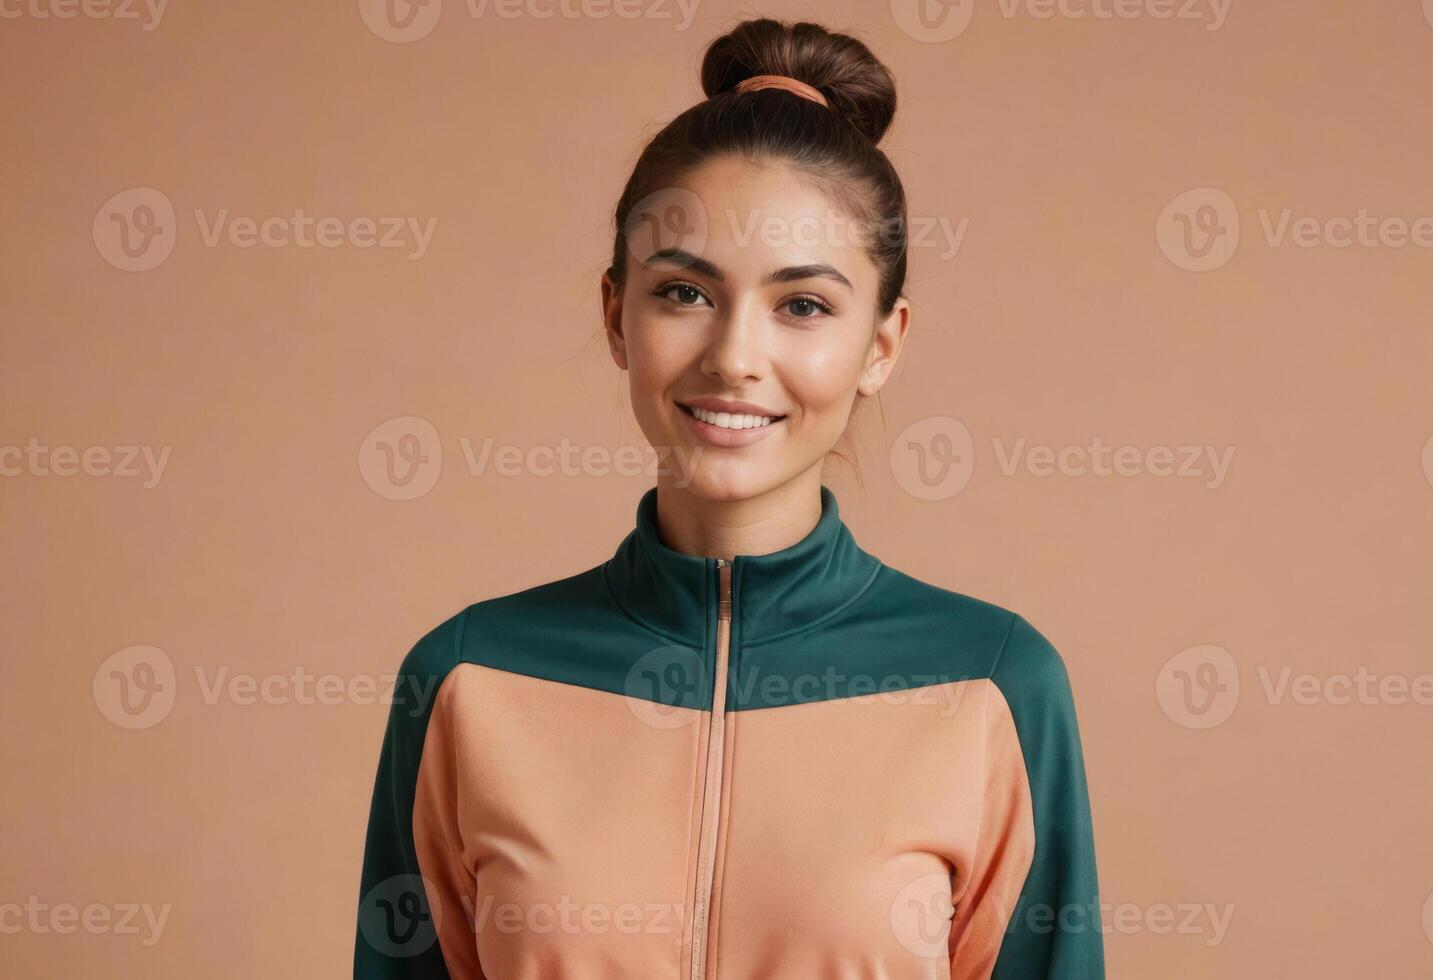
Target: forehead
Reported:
[(758, 216)]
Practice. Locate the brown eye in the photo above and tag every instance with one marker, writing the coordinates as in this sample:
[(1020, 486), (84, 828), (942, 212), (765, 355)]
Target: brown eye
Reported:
[(686, 294), (805, 307)]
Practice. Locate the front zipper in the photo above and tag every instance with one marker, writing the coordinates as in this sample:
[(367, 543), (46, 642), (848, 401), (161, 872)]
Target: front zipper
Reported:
[(712, 775)]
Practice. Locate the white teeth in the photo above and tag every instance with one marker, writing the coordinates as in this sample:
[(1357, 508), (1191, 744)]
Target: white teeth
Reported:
[(728, 420)]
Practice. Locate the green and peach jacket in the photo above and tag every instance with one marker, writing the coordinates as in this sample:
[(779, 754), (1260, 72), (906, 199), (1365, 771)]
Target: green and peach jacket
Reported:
[(803, 764)]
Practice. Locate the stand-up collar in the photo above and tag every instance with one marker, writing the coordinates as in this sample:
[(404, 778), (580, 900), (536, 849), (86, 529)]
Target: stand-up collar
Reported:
[(772, 594)]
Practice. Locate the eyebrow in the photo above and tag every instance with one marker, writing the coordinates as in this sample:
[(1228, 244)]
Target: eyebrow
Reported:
[(815, 270)]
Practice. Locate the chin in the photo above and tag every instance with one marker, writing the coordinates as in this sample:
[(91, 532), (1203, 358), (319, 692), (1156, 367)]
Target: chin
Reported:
[(730, 482)]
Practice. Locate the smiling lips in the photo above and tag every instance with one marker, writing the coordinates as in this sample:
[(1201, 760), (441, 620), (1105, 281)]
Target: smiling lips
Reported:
[(732, 420), (728, 423)]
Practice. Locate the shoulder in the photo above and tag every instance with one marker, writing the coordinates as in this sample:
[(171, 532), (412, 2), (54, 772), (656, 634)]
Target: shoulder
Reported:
[(1030, 672), (988, 639), (487, 623)]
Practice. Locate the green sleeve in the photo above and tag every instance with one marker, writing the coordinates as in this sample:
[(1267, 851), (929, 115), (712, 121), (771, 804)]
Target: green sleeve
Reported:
[(396, 937), (1055, 929)]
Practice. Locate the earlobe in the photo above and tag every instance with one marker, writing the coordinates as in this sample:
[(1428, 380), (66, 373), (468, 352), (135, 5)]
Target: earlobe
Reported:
[(873, 378)]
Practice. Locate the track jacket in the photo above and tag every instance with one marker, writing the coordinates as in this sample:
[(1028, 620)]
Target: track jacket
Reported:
[(804, 764)]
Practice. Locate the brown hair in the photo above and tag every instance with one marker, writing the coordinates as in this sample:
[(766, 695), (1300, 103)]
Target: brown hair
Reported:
[(834, 144)]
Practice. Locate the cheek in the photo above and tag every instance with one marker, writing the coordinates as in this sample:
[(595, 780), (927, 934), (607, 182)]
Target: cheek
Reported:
[(654, 362), (823, 382)]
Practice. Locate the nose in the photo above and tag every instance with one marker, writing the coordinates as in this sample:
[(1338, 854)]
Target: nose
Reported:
[(738, 351)]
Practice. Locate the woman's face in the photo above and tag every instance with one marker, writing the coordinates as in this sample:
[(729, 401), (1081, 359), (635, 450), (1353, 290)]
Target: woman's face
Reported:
[(747, 326)]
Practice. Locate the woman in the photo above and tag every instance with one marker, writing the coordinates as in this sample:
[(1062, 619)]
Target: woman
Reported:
[(742, 747)]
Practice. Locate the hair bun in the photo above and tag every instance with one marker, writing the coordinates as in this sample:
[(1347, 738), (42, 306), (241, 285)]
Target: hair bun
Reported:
[(855, 83)]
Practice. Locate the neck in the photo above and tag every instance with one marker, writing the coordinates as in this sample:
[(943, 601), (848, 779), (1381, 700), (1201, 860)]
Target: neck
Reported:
[(758, 525)]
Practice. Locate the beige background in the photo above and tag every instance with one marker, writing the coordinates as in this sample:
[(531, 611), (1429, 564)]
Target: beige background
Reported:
[(272, 543)]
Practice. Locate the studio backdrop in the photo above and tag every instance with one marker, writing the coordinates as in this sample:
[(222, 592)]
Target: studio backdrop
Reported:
[(303, 353)]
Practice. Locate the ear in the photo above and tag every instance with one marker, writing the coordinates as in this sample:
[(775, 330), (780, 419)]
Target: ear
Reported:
[(885, 348), (612, 319)]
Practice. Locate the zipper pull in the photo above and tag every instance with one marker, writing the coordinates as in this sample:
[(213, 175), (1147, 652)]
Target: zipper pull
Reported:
[(724, 597)]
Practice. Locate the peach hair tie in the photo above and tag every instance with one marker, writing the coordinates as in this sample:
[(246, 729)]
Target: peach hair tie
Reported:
[(780, 81)]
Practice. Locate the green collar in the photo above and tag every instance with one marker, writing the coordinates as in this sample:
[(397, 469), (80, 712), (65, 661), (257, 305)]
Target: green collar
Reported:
[(773, 595)]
